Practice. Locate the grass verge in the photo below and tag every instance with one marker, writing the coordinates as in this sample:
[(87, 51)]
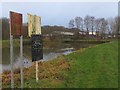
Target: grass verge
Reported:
[(93, 67)]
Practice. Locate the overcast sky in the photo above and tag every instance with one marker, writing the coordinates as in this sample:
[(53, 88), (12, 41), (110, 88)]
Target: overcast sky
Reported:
[(59, 13)]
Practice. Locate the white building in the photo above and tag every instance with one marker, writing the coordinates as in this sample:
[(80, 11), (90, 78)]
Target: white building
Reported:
[(94, 33), (67, 33)]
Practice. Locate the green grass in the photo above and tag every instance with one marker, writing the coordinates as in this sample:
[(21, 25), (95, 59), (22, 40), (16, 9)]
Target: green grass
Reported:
[(93, 67)]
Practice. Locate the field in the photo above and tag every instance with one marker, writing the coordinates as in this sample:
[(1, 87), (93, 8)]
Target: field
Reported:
[(93, 67)]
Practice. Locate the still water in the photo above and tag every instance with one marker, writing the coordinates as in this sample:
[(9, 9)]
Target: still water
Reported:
[(49, 53)]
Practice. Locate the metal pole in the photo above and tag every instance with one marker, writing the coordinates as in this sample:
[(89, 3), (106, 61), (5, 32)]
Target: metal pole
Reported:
[(11, 61), (36, 71), (11, 58), (21, 57)]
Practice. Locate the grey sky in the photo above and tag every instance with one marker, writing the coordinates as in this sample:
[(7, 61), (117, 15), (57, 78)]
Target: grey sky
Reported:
[(55, 13)]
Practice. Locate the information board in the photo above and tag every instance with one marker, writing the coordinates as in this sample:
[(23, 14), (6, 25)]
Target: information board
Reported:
[(15, 23), (34, 24), (37, 47)]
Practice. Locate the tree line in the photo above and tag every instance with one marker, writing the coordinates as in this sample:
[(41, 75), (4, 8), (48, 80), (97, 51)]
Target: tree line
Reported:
[(101, 26), (5, 28), (48, 31)]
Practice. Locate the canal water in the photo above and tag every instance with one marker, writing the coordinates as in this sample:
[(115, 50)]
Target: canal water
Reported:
[(49, 53)]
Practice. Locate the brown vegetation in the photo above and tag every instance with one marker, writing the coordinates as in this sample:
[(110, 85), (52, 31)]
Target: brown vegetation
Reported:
[(49, 69)]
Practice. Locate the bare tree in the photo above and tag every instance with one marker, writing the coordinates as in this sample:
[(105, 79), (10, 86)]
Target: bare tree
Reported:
[(100, 25), (87, 20), (79, 23), (71, 23), (111, 25), (92, 22), (97, 26), (103, 27)]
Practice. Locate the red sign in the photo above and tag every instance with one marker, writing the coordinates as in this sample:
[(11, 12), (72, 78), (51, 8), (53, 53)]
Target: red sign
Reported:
[(16, 23)]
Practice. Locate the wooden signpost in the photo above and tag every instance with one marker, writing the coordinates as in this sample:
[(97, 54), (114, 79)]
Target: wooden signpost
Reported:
[(37, 52), (16, 30), (34, 31), (21, 57)]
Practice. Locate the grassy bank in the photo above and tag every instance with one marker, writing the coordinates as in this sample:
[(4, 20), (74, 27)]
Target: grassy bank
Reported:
[(16, 43), (93, 67), (87, 41)]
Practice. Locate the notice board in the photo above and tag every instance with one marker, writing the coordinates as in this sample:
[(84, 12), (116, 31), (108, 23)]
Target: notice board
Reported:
[(16, 23), (34, 24), (37, 47)]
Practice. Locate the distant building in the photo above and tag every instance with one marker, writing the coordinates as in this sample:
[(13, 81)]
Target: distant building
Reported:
[(67, 33), (94, 33), (82, 32)]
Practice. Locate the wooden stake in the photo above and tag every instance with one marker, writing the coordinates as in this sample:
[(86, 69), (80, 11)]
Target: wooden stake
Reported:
[(36, 71)]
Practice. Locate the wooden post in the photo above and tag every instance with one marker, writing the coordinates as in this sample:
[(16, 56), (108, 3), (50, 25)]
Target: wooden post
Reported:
[(11, 58), (11, 61), (21, 57), (36, 71)]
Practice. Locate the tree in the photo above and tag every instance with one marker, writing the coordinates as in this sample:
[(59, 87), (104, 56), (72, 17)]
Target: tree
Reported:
[(87, 20), (71, 23), (92, 22), (5, 28), (97, 26), (111, 25), (103, 27), (117, 26), (82, 25), (79, 23)]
